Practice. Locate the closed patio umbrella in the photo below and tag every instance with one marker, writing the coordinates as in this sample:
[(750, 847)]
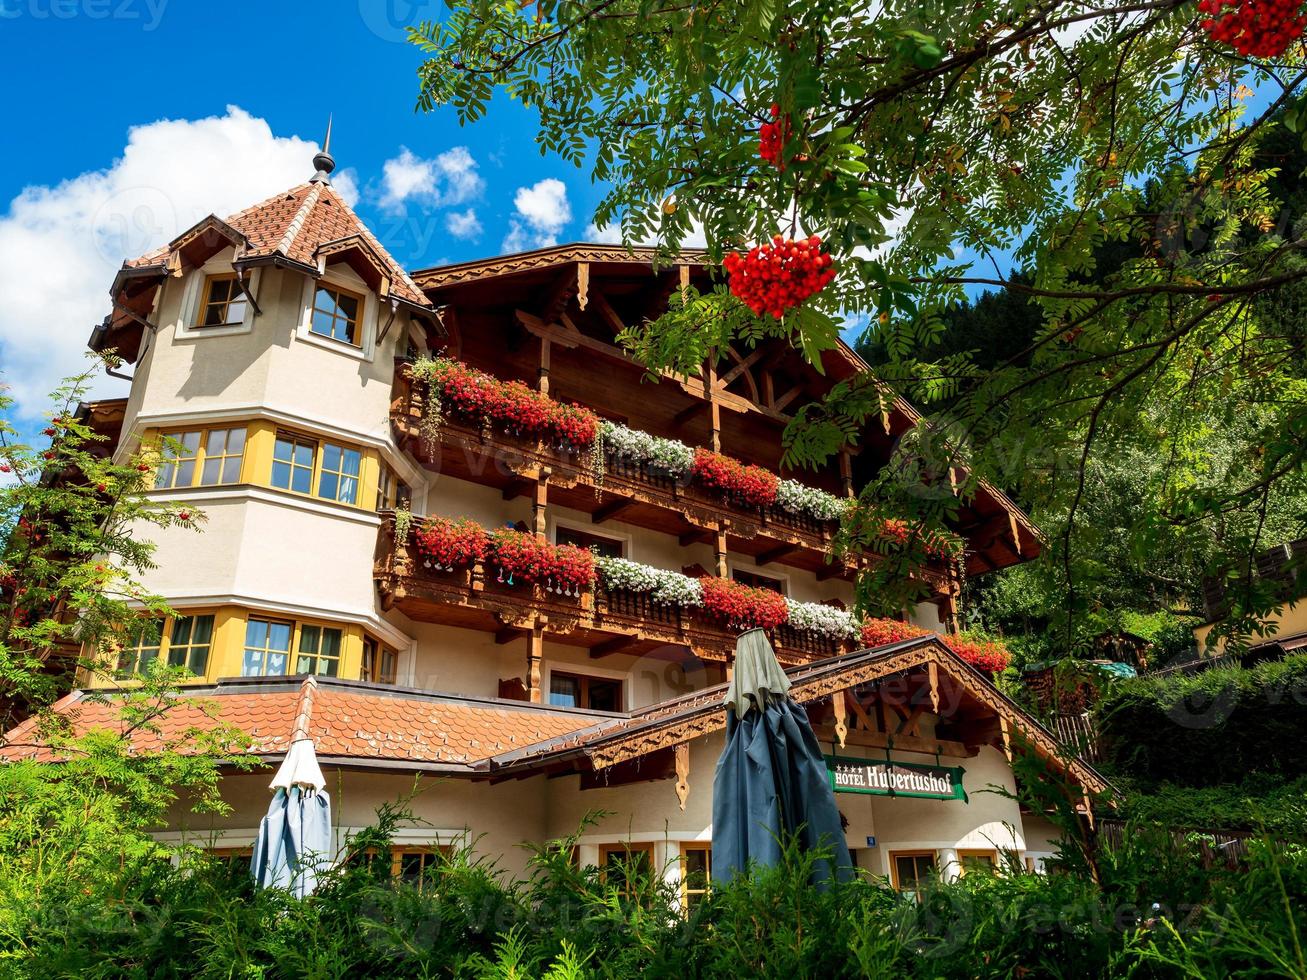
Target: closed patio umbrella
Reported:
[(771, 781), (295, 835)]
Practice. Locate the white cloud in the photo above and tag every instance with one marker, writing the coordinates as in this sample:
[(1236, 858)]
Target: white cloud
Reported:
[(612, 235), (463, 224), (542, 212), (444, 180), (60, 245)]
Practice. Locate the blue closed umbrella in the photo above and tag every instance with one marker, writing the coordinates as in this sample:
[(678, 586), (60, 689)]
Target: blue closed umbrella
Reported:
[(771, 781), (294, 839)]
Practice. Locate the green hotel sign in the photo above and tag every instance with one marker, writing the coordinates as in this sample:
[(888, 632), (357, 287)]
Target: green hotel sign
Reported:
[(884, 778)]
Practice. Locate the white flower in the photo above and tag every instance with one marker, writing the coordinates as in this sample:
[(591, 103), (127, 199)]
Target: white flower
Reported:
[(634, 446), (665, 587), (800, 499), (828, 621)]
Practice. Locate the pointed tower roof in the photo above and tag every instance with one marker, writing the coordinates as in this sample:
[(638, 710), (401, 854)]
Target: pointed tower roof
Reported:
[(306, 228)]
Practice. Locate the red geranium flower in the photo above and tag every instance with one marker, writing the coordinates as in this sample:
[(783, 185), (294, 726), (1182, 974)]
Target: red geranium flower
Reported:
[(451, 544), (750, 485), (741, 606)]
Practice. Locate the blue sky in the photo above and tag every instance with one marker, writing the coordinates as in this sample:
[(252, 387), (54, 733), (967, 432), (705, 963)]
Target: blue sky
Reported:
[(128, 120)]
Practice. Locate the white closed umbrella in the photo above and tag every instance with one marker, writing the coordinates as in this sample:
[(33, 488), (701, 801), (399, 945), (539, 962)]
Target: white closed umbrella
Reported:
[(295, 835)]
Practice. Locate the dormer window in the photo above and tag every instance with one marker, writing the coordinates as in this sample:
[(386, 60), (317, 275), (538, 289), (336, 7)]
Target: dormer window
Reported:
[(224, 303), (336, 314)]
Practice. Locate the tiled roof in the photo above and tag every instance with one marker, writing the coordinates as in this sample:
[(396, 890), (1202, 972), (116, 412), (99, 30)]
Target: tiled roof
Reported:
[(294, 225), (346, 720)]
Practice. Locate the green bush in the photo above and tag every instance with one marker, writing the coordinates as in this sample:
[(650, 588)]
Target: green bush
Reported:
[(1210, 728)]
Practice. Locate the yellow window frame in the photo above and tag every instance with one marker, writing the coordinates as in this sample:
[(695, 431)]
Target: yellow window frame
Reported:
[(365, 480), (164, 646), (894, 867), (348, 660), (686, 891), (170, 465), (983, 853)]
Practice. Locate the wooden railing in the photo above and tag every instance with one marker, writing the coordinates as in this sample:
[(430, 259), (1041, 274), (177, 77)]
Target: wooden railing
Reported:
[(480, 598), (458, 449), (1214, 847)]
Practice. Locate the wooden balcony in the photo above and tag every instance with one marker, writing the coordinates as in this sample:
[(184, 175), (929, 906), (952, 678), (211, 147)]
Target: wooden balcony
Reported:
[(603, 621), (634, 494)]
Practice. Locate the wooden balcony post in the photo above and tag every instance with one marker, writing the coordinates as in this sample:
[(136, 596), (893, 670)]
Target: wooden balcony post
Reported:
[(535, 650), (544, 365), (719, 538), (846, 472), (539, 521)]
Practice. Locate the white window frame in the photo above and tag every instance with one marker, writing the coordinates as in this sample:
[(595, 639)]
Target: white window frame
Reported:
[(193, 297), (596, 530), (340, 276)]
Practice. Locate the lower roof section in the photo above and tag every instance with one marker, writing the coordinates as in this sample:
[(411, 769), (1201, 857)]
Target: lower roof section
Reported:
[(362, 725)]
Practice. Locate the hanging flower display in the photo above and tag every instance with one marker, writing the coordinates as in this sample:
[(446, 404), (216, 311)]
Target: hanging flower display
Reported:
[(743, 607), (798, 498), (523, 557), (828, 621), (507, 405), (986, 656), (747, 484), (448, 544), (632, 446), (664, 587), (879, 632)]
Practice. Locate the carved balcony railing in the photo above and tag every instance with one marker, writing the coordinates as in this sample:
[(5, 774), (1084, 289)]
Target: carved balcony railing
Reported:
[(632, 492), (605, 621)]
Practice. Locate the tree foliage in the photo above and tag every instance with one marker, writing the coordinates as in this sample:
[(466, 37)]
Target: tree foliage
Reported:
[(71, 549), (1103, 147)]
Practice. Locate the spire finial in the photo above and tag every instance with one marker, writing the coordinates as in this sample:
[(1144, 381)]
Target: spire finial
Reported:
[(322, 161)]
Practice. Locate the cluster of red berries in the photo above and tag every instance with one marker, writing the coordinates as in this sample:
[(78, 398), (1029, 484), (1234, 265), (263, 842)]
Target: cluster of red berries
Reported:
[(777, 277), (1256, 28), (772, 138)]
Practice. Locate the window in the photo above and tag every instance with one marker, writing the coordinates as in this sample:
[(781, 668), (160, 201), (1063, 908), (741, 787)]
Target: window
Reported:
[(201, 458), (223, 452), (600, 545), (143, 648), (336, 314), (292, 462), (756, 580), (696, 873), (319, 651), (185, 642), (392, 492), (626, 863), (224, 302), (380, 664), (181, 452), (339, 479), (267, 647), (326, 470), (969, 861), (912, 869), (411, 864), (579, 691), (189, 642), (236, 859)]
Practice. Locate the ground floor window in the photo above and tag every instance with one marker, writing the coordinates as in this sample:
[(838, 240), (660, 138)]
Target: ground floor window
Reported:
[(910, 870), (978, 860), (696, 873), (237, 859), (407, 862), (624, 863)]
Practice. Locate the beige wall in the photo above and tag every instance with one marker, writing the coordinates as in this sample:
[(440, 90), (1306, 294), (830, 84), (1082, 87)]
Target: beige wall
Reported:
[(1288, 621), (504, 814)]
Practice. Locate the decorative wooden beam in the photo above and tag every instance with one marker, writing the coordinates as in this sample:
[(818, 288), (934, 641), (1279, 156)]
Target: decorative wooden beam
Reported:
[(720, 546), (683, 772), (540, 505), (789, 396), (583, 284), (846, 472), (543, 371), (561, 291), (777, 553), (899, 743), (932, 674), (610, 510), (1007, 737), (609, 647), (841, 716)]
